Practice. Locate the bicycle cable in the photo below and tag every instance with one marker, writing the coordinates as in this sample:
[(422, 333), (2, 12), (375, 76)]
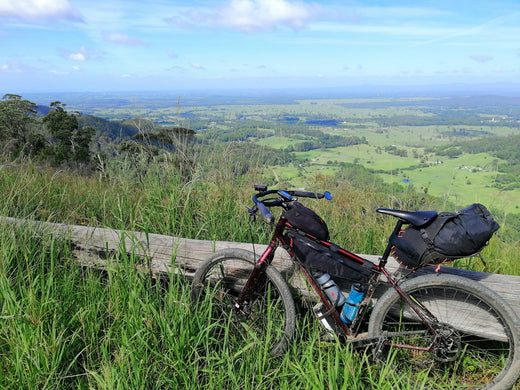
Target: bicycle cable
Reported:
[(252, 219)]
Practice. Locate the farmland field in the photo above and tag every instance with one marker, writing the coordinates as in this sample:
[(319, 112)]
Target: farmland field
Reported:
[(392, 137), (463, 180)]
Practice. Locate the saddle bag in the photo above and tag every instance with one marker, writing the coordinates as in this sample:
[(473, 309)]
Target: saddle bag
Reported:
[(306, 220), (329, 259), (448, 237)]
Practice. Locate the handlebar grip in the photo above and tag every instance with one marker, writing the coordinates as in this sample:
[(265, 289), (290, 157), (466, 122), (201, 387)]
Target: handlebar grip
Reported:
[(303, 194), (269, 218)]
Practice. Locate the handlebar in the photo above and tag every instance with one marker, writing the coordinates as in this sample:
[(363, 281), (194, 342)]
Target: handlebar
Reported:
[(283, 197)]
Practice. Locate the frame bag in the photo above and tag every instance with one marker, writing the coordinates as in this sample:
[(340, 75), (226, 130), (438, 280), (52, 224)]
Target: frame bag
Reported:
[(327, 258), (448, 237)]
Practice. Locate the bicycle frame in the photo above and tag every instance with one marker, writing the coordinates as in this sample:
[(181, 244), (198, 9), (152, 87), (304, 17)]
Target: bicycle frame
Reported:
[(278, 239)]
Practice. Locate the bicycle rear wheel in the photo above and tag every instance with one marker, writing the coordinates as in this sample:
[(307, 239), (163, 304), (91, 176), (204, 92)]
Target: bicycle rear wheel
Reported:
[(476, 340), (266, 321)]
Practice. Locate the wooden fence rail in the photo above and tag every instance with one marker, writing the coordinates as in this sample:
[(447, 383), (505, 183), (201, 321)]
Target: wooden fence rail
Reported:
[(162, 254)]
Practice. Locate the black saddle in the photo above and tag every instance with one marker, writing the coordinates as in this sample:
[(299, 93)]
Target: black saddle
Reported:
[(416, 218)]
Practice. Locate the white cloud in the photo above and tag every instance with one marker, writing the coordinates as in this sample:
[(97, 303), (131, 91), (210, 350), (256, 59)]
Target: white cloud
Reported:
[(36, 10), (15, 67), (255, 15), (123, 39), (82, 54), (252, 15), (59, 73), (77, 57), (10, 68), (480, 58)]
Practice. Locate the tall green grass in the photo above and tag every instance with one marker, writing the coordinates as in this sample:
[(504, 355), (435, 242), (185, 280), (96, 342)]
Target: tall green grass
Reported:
[(63, 326), (163, 203), (213, 206)]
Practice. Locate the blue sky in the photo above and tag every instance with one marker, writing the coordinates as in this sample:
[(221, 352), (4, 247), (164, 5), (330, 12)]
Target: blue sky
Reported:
[(164, 45)]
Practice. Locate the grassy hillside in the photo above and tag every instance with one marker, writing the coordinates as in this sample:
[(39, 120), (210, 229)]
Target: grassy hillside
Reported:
[(68, 327), (458, 148)]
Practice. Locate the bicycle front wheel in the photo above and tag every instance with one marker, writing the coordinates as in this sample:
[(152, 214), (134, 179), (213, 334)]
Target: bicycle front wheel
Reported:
[(473, 343), (267, 320)]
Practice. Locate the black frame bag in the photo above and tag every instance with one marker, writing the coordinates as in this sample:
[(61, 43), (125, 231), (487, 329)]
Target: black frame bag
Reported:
[(448, 237), (318, 256)]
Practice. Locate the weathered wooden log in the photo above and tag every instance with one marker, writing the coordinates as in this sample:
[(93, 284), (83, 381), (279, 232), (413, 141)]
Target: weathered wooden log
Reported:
[(161, 254)]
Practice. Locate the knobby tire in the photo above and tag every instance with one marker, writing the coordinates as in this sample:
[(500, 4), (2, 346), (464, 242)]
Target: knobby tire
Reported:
[(268, 320), (478, 346)]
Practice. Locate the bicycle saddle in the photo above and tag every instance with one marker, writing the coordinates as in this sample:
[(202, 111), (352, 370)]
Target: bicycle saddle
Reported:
[(416, 218)]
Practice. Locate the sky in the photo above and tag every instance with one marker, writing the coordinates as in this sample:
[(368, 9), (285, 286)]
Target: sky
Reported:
[(167, 45)]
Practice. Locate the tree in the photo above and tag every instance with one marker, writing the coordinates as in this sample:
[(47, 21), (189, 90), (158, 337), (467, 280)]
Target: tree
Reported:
[(70, 142), (81, 144), (61, 125), (18, 135)]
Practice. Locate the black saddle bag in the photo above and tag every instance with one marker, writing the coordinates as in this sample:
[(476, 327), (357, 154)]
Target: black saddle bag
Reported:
[(448, 237)]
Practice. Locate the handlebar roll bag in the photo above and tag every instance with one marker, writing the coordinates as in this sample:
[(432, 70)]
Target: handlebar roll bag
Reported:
[(306, 220)]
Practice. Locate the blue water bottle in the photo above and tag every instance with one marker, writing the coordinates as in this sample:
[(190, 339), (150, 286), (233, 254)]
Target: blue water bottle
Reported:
[(352, 304)]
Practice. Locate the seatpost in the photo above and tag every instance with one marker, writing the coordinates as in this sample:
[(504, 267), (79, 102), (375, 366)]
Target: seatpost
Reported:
[(384, 259)]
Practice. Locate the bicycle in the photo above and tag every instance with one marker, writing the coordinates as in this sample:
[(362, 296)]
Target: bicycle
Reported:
[(426, 327)]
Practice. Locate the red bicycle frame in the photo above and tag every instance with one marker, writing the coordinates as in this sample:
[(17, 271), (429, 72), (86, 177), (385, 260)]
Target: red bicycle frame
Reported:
[(278, 239)]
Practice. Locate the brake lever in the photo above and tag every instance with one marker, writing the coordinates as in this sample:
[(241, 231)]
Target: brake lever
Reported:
[(252, 213)]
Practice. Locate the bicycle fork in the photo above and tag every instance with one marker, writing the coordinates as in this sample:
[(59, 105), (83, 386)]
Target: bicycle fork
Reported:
[(252, 282), (265, 259)]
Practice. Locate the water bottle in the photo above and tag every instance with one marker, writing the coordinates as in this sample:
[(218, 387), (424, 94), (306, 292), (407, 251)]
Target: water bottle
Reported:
[(352, 305), (330, 288)]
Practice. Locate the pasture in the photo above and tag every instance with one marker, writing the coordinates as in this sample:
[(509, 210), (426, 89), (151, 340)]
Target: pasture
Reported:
[(398, 131)]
